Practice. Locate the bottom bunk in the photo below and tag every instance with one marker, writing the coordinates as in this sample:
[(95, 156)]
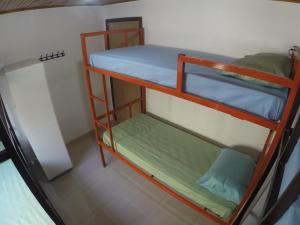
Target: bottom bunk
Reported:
[(172, 156)]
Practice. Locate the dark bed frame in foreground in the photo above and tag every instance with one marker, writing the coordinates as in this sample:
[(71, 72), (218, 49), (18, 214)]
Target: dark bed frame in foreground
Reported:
[(276, 128), (276, 207), (13, 151)]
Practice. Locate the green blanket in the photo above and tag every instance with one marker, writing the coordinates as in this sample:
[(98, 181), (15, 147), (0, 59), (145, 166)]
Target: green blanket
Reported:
[(173, 156)]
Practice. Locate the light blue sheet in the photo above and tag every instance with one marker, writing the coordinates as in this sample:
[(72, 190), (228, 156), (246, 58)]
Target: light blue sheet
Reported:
[(1, 146), (18, 206), (159, 65), (292, 215)]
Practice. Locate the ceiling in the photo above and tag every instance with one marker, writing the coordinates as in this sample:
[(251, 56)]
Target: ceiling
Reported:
[(7, 6)]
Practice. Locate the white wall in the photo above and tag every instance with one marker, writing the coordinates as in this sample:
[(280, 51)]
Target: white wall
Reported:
[(29, 34), (229, 27)]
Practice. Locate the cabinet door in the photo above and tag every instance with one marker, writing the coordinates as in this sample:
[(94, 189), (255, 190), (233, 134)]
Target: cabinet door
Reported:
[(32, 105)]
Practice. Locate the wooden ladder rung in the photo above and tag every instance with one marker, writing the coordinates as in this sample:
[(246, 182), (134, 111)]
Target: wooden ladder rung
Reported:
[(97, 98), (99, 124)]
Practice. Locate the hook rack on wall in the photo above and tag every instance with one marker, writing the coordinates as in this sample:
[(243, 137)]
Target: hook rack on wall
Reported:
[(52, 56)]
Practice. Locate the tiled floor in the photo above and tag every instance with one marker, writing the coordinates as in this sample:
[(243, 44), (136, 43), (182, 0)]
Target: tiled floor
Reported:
[(92, 195)]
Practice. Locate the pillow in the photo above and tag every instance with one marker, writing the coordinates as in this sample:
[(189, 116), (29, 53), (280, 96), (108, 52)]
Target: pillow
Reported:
[(229, 175), (276, 64)]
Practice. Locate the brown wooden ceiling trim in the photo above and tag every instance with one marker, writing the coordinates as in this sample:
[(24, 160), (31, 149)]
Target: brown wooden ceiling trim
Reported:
[(5, 6), (293, 1)]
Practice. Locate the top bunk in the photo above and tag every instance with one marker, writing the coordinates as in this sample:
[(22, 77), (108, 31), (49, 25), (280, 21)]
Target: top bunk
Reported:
[(198, 77), (158, 65)]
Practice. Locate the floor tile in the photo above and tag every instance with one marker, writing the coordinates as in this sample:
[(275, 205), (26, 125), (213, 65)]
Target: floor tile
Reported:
[(139, 182), (124, 212), (100, 218), (204, 221), (180, 210), (162, 216), (148, 188)]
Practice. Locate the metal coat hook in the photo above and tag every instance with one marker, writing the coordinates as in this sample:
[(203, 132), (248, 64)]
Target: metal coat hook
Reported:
[(47, 57)]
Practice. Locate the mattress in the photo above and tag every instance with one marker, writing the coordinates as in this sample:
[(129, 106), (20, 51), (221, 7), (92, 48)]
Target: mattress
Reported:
[(173, 156), (17, 203), (159, 65)]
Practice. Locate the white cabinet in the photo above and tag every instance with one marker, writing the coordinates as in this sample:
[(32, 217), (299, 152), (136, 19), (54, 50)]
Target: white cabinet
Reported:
[(25, 90)]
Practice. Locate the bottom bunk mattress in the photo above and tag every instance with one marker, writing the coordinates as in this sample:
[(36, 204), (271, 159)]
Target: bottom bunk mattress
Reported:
[(172, 156)]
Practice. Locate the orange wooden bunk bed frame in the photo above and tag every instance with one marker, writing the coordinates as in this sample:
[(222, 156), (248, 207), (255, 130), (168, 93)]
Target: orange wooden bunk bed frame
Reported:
[(272, 140)]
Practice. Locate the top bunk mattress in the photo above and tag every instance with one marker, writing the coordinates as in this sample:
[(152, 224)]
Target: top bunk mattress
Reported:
[(159, 65)]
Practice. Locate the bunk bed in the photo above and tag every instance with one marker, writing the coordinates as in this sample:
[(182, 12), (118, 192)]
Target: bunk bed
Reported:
[(165, 155)]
